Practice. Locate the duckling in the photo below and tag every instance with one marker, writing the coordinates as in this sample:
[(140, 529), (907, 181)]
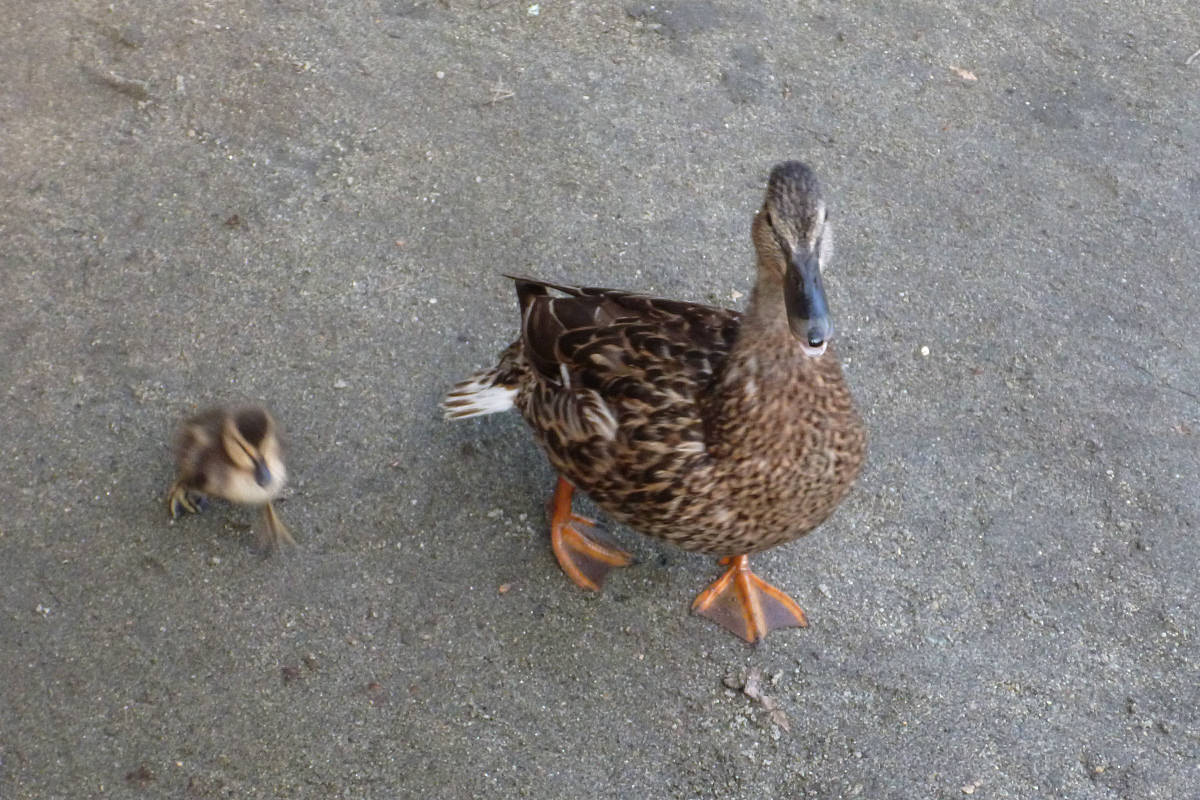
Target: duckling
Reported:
[(233, 454), (722, 432)]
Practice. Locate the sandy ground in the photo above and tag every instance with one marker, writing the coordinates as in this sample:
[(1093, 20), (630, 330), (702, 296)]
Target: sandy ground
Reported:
[(310, 204)]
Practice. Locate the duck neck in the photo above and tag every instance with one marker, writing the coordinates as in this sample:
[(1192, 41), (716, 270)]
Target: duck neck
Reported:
[(764, 358), (758, 383), (765, 315)]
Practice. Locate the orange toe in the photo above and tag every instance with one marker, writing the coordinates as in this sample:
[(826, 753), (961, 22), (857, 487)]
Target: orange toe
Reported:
[(586, 560)]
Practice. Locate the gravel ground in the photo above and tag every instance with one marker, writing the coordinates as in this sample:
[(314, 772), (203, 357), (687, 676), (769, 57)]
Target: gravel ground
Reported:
[(310, 204)]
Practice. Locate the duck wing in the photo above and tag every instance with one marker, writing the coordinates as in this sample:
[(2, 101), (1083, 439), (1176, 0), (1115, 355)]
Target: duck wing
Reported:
[(620, 343)]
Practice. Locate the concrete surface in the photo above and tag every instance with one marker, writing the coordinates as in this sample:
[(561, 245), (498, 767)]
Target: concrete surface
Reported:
[(310, 204)]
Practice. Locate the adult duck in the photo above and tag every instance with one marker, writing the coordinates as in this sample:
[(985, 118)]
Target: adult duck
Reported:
[(721, 432)]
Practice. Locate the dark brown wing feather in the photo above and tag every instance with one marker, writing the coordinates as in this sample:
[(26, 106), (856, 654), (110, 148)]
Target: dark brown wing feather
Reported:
[(617, 390), (609, 340)]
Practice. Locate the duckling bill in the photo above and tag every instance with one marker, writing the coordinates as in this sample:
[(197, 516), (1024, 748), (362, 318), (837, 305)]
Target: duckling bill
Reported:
[(235, 455), (725, 433)]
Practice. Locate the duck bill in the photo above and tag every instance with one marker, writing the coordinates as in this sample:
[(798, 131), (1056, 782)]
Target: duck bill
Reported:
[(262, 475), (807, 309)]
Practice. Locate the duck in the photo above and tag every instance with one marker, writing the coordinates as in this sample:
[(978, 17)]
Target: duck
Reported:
[(233, 454), (722, 432)]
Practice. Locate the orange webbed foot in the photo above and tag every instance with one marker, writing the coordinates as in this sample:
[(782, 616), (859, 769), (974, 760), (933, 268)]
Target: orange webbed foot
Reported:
[(745, 604), (582, 555)]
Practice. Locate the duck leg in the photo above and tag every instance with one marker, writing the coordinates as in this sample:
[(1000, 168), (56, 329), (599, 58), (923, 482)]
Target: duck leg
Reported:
[(181, 500), (276, 533), (585, 559), (745, 604)]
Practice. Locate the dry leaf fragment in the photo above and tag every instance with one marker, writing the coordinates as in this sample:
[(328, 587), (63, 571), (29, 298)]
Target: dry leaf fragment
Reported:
[(753, 687)]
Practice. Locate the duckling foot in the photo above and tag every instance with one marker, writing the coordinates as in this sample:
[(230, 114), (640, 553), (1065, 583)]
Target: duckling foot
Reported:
[(745, 604), (181, 500), (274, 534), (575, 539)]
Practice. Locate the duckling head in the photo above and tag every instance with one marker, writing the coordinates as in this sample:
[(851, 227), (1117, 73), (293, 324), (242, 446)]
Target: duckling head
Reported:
[(794, 241), (248, 437)]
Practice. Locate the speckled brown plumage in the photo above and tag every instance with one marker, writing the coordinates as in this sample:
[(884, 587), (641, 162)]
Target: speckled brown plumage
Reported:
[(723, 433)]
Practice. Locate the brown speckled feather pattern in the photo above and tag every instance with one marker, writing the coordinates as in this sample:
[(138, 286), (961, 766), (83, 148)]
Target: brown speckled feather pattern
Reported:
[(675, 423)]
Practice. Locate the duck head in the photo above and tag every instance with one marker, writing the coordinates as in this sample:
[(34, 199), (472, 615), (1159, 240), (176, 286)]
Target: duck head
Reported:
[(794, 241), (247, 436)]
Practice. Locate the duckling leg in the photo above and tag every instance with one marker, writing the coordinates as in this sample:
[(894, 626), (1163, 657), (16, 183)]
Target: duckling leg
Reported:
[(276, 533), (745, 604), (586, 560), (182, 500)]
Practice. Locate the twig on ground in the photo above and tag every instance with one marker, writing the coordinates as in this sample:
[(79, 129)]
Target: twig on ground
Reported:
[(500, 92)]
